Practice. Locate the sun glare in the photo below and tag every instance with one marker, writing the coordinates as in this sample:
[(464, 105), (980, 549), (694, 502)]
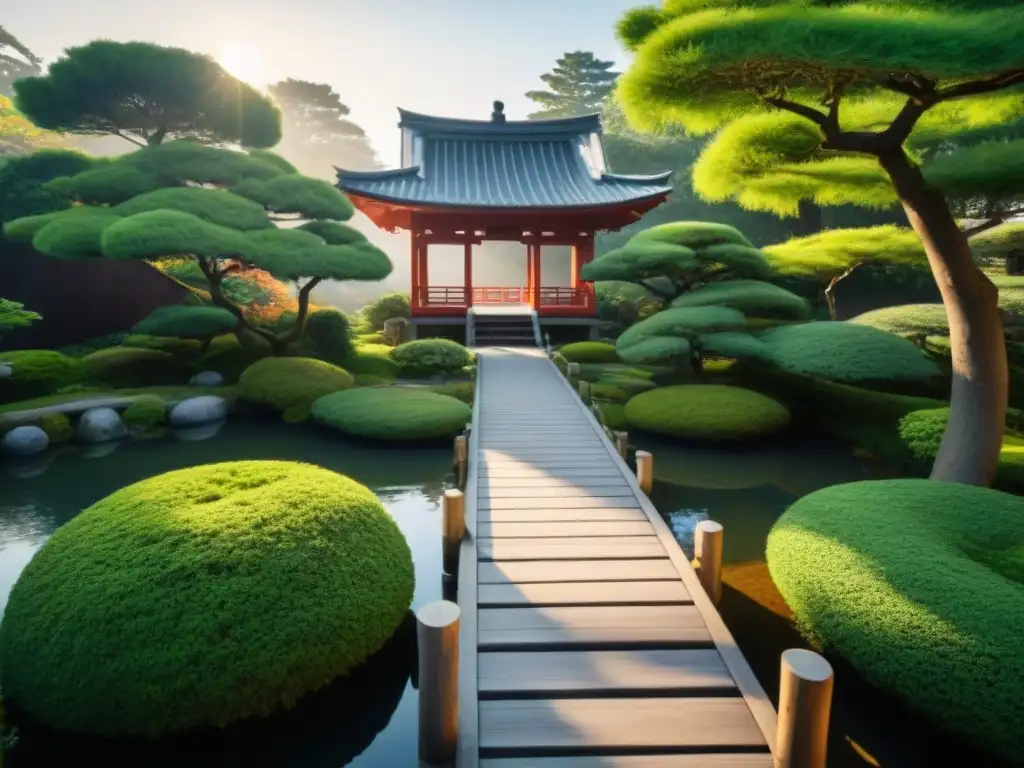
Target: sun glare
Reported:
[(244, 61)]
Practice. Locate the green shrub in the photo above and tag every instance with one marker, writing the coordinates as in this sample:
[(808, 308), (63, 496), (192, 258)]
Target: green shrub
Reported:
[(278, 574), (427, 357), (229, 357), (368, 338), (189, 350), (373, 360), (668, 336), (57, 427), (626, 383), (387, 307), (848, 353), (920, 434), (754, 298), (281, 383), (393, 414), (709, 412), (918, 584), (329, 336), (590, 352), (927, 319), (146, 412), (83, 348), (613, 415), (460, 390), (604, 391), (133, 367), (369, 380), (37, 372), (184, 322)]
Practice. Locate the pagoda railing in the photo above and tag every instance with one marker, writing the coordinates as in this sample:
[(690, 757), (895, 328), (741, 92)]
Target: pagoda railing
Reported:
[(450, 299), (501, 295)]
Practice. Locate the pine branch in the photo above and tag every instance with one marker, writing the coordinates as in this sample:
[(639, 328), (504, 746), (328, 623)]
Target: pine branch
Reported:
[(976, 87), (810, 113)]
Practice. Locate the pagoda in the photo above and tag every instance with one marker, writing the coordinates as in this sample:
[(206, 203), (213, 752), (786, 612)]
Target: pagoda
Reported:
[(539, 183)]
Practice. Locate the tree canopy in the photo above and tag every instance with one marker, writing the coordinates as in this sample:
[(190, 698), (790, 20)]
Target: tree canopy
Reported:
[(579, 84), (23, 180), (862, 102), (149, 205), (187, 322), (14, 315), (147, 93), (318, 133)]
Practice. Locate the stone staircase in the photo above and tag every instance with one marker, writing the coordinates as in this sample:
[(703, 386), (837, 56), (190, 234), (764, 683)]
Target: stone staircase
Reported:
[(504, 330)]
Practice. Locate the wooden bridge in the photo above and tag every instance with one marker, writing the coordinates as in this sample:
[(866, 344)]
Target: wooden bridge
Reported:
[(585, 636)]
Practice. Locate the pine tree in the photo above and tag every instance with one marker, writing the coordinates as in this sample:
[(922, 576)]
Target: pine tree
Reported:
[(579, 85)]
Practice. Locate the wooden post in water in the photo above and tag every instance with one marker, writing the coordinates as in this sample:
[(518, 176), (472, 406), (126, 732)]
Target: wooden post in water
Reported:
[(707, 548), (645, 471), (805, 703), (460, 449), (454, 529), (437, 634), (622, 443)]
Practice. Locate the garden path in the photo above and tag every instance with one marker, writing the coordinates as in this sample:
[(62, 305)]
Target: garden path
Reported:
[(586, 638)]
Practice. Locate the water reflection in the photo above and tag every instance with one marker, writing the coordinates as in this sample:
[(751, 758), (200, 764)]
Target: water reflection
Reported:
[(340, 725), (200, 432)]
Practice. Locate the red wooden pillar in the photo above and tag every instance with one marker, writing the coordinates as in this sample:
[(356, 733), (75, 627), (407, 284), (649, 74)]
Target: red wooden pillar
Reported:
[(535, 285), (583, 254), (468, 274), (414, 272), (424, 274)]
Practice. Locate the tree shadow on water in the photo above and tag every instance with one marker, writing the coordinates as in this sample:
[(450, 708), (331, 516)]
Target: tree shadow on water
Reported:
[(327, 729)]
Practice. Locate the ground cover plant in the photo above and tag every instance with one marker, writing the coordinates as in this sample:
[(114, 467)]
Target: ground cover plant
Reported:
[(215, 561), (926, 606), (393, 414), (290, 385), (707, 412), (429, 357)]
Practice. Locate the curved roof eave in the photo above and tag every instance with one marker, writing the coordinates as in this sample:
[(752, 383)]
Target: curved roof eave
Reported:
[(429, 123), (664, 192)]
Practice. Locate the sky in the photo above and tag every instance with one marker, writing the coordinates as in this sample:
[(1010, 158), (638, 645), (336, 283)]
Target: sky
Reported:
[(443, 57)]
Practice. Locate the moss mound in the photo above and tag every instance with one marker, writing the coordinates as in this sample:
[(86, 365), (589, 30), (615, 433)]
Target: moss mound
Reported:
[(229, 357), (427, 357), (57, 427), (372, 360), (927, 319), (590, 352), (920, 434), (37, 372), (848, 353), (709, 412), (754, 298), (919, 585), (393, 414), (133, 367), (209, 594), (283, 383), (147, 412)]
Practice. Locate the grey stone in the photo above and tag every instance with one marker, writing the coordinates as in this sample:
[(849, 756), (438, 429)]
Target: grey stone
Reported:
[(6, 371), (206, 379), (24, 441), (100, 425), (199, 410)]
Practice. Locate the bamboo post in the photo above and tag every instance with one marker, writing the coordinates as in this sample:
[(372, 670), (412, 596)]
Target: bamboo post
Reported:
[(645, 471), (707, 548), (460, 449), (454, 529), (805, 703), (622, 443), (437, 634)]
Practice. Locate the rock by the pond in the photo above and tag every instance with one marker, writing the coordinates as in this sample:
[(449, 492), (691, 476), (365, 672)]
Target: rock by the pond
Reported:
[(6, 371), (199, 410), (206, 379), (24, 441), (100, 425)]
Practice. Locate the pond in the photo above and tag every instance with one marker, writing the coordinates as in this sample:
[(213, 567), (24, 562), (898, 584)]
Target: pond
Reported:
[(367, 720), (746, 491)]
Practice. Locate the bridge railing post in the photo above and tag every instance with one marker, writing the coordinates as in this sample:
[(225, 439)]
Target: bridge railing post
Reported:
[(461, 450), (437, 635), (454, 529), (707, 550), (805, 705), (622, 444), (645, 471)]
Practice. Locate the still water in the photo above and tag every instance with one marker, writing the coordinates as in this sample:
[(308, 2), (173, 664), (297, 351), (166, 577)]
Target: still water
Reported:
[(746, 491), (368, 720)]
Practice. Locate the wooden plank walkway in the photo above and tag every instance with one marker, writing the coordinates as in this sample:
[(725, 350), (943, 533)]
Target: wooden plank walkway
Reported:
[(586, 639)]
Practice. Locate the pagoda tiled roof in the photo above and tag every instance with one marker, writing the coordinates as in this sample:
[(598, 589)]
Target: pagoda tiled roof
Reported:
[(502, 164)]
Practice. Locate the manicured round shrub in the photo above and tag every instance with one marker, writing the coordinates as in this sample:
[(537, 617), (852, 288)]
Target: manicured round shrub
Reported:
[(427, 357), (204, 596), (847, 352), (329, 335), (927, 319), (590, 352), (626, 383), (460, 390), (918, 584), (184, 322), (281, 383), (393, 414), (37, 372), (384, 308), (709, 412), (601, 390), (146, 412), (133, 367), (920, 434), (57, 427), (613, 415)]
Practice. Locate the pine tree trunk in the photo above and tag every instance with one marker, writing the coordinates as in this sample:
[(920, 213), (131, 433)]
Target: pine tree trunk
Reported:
[(969, 452)]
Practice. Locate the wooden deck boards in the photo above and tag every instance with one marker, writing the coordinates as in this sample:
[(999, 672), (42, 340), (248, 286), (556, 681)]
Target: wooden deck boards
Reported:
[(592, 642)]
